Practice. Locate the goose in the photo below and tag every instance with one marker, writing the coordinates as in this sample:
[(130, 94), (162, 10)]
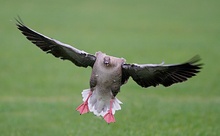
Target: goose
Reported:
[(109, 73)]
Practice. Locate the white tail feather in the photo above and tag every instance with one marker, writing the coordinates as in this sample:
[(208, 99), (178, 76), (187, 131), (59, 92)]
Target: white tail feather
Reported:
[(85, 94), (99, 105)]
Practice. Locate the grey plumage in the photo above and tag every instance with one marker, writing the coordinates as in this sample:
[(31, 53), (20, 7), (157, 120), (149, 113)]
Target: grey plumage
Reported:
[(110, 73)]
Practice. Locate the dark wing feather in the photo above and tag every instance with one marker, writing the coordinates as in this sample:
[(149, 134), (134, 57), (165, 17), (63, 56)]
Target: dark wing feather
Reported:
[(57, 48), (154, 74)]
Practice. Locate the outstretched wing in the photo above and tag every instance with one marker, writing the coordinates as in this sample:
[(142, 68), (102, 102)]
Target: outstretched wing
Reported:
[(57, 48), (154, 74)]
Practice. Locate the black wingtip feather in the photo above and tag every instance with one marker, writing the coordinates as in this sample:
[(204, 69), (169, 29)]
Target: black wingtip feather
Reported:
[(183, 71), (19, 21)]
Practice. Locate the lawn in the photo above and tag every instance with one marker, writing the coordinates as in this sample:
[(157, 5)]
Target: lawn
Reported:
[(39, 93)]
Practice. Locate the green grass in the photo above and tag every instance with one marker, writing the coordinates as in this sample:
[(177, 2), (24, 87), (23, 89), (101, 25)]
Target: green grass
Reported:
[(39, 94)]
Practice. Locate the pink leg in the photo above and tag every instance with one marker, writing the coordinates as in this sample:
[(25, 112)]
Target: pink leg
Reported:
[(109, 117), (83, 108)]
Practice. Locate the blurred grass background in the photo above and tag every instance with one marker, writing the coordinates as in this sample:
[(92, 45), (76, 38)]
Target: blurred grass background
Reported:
[(39, 94)]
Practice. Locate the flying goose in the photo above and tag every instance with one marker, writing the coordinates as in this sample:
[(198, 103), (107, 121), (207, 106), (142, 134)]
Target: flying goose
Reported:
[(110, 73)]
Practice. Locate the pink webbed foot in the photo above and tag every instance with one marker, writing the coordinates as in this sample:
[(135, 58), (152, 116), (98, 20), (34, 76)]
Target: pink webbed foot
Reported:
[(109, 117), (84, 108)]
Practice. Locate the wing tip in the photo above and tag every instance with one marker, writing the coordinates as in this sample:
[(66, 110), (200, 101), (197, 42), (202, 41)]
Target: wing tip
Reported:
[(194, 62), (194, 59), (19, 21)]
